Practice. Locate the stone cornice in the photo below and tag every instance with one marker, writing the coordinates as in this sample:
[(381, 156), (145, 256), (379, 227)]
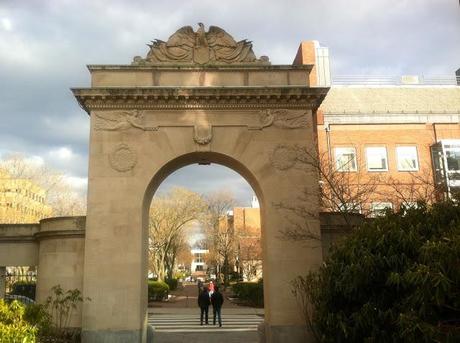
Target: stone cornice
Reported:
[(164, 98), (171, 67)]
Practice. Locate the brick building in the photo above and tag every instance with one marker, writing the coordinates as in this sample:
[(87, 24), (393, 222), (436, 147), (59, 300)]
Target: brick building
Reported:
[(21, 201), (401, 134)]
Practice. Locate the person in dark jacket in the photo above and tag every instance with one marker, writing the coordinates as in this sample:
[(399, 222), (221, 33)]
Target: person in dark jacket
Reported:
[(204, 302), (217, 300)]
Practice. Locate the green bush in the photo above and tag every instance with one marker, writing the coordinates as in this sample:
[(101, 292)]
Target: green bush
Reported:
[(36, 315), (172, 283), (25, 288), (395, 279), (250, 292), (157, 290), (13, 327)]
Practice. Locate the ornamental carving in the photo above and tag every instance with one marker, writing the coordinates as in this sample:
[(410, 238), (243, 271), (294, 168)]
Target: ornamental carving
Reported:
[(122, 158), (186, 46), (123, 120), (285, 157), (284, 118), (202, 134)]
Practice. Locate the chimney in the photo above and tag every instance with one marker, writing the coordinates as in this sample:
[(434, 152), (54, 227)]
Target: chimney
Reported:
[(457, 73), (310, 52)]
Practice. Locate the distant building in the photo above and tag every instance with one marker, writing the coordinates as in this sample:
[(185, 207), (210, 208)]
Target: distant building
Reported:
[(21, 201), (245, 255), (198, 266)]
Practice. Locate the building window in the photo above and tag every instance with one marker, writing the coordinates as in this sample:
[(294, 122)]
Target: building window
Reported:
[(198, 257), (407, 158), (345, 159), (376, 158), (350, 207), (379, 208), (199, 268)]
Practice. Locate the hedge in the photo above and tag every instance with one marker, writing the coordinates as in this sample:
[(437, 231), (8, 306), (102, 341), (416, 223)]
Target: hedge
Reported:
[(157, 290), (250, 292), (172, 283)]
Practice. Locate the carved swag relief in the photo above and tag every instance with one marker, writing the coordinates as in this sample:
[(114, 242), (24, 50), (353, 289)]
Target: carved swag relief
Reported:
[(202, 133)]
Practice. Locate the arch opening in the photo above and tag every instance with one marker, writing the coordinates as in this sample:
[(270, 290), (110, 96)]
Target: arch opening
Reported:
[(180, 164)]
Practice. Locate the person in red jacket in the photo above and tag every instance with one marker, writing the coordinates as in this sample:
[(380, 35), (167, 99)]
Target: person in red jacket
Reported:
[(217, 300), (204, 302)]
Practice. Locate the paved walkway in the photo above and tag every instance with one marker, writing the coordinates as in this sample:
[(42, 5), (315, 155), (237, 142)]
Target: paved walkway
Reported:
[(178, 321), (176, 325), (187, 297)]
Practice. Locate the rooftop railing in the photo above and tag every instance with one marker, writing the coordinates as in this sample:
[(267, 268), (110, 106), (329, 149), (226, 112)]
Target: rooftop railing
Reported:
[(392, 80)]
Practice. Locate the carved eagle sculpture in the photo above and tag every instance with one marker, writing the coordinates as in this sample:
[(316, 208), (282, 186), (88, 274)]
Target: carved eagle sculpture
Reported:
[(213, 47)]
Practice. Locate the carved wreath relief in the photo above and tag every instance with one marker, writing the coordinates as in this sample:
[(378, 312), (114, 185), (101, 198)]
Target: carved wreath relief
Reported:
[(285, 157), (122, 158), (213, 47)]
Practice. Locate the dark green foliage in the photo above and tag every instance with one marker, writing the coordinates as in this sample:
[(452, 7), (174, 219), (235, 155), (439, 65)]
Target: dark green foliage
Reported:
[(395, 279), (25, 288), (157, 290), (172, 283), (250, 292), (37, 316)]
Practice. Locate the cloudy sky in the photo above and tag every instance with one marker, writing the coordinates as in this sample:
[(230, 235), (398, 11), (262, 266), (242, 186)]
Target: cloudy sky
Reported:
[(45, 45)]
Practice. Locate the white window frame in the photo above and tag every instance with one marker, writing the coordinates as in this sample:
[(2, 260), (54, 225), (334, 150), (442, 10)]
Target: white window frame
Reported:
[(383, 206), (400, 168), (386, 158), (350, 207), (341, 167)]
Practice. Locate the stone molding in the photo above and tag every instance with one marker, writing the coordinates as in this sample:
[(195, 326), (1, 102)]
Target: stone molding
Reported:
[(199, 97), (58, 234)]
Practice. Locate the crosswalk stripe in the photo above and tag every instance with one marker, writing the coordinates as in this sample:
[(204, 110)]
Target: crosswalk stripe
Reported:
[(182, 323)]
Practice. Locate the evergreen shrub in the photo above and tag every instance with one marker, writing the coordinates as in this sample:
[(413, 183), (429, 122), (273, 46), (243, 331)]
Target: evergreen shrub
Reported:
[(395, 279), (157, 290), (250, 292)]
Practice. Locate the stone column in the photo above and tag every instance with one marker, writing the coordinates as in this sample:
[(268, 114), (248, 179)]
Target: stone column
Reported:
[(2, 282), (60, 259)]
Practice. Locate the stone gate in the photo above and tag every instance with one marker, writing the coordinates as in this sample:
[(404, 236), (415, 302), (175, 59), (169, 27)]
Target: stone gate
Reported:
[(200, 97)]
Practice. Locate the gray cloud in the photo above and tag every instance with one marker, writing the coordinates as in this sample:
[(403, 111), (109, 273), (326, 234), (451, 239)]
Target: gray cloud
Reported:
[(45, 45)]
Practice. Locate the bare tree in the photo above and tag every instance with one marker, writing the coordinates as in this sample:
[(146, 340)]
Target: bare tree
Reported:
[(169, 216), (221, 240), (340, 190), (59, 194), (249, 257), (414, 187)]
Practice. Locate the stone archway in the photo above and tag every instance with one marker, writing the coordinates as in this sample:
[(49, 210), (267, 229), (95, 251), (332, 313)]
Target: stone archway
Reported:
[(200, 97)]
